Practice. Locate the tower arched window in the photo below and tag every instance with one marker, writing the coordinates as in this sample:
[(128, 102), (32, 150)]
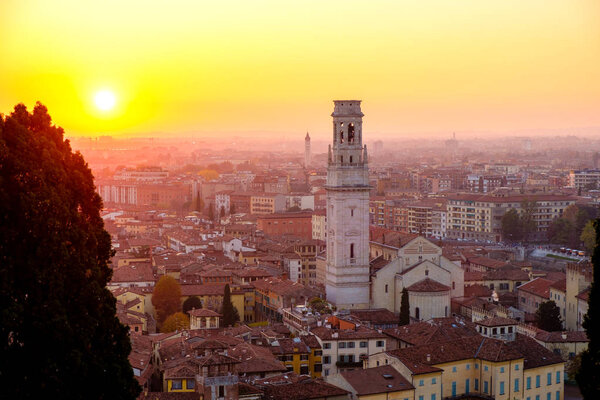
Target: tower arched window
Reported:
[(341, 136), (417, 313), (350, 133), (351, 250)]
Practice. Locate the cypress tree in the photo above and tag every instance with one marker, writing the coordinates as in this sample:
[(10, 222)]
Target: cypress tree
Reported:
[(404, 308), (59, 334), (230, 313), (588, 377)]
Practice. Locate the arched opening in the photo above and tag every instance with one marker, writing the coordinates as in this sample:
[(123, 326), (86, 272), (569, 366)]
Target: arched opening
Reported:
[(351, 250), (350, 159), (417, 313), (446, 311), (350, 133), (342, 136)]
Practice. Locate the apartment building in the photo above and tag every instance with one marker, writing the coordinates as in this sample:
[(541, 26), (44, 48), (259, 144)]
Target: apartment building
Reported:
[(584, 179), (479, 217)]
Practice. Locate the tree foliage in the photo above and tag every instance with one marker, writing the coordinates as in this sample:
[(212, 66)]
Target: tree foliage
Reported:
[(166, 297), (588, 236), (588, 377), (404, 308), (59, 334), (567, 229), (192, 302), (511, 226), (175, 322), (547, 317), (228, 310)]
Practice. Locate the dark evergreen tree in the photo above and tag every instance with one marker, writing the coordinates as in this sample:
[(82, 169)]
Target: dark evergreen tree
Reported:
[(547, 317), (588, 377), (228, 310), (190, 303), (59, 334), (511, 226), (404, 308)]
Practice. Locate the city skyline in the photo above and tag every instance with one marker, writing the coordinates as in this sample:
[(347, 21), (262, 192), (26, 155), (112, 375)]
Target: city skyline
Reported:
[(423, 69)]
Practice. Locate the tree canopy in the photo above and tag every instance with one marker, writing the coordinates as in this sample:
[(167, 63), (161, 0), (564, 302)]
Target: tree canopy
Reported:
[(192, 302), (228, 310), (588, 377), (166, 297), (59, 334), (175, 322), (511, 225), (547, 317)]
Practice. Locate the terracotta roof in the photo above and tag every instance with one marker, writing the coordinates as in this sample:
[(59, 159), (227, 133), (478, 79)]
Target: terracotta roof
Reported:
[(433, 330), (539, 287), (427, 285), (375, 316), (382, 379), (205, 290), (584, 295), (361, 332), (289, 346), (507, 274), (302, 390), (255, 359), (204, 312), (134, 272), (477, 291), (170, 396), (496, 321), (562, 336), (474, 276), (486, 262), (560, 285), (535, 354)]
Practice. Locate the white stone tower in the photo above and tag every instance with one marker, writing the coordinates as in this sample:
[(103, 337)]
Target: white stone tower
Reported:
[(306, 151), (347, 284)]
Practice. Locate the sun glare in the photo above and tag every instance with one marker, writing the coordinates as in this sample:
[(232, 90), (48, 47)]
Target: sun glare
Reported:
[(105, 100)]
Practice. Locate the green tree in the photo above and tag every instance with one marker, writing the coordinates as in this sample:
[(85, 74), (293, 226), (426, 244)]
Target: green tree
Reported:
[(561, 231), (588, 377), (404, 308), (59, 334), (175, 322), (192, 302), (547, 317), (588, 236), (166, 297), (228, 310), (511, 226), (526, 219)]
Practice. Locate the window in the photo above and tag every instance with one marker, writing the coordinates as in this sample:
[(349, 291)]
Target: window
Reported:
[(221, 391), (548, 396), (537, 381), (528, 385), (501, 387), (485, 367), (351, 345), (468, 367), (421, 382), (190, 383), (304, 370), (549, 378), (326, 345), (386, 288), (516, 367), (176, 384), (342, 345), (501, 370), (557, 376), (326, 372), (421, 397), (327, 360), (476, 366), (467, 386), (318, 353), (453, 389), (318, 367), (537, 397), (485, 386), (380, 343), (303, 357), (557, 395), (476, 384), (364, 344), (351, 250), (433, 381), (433, 396), (453, 369), (517, 385)]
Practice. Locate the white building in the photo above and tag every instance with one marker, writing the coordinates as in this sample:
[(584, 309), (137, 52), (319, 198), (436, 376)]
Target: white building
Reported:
[(347, 273)]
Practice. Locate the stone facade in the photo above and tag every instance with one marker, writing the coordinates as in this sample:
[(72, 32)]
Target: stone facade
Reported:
[(347, 274)]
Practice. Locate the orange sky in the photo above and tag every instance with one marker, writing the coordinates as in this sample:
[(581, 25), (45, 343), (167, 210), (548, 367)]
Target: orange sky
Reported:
[(421, 66)]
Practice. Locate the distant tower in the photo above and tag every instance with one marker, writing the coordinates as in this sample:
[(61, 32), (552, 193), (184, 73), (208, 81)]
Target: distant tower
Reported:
[(347, 284), (306, 151)]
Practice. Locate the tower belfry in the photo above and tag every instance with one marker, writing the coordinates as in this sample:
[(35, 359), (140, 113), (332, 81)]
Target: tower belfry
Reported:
[(307, 151), (347, 284)]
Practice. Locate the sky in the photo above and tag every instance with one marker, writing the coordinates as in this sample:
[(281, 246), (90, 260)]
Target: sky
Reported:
[(421, 67)]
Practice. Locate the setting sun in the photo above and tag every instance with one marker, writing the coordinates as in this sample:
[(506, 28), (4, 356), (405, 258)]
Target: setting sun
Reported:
[(105, 100)]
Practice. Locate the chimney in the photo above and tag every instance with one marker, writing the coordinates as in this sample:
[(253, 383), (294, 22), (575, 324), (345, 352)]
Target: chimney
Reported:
[(564, 335), (428, 357)]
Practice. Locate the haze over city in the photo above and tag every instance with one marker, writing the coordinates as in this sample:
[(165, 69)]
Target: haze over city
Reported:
[(186, 68)]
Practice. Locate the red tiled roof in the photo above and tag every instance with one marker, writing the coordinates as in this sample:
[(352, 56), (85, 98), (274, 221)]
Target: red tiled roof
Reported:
[(477, 291), (539, 287), (203, 312), (434, 330), (134, 272), (361, 332), (382, 379), (427, 285), (560, 285), (496, 321)]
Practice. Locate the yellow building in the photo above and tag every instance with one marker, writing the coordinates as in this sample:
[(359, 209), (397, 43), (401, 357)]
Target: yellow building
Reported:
[(211, 296), (520, 369), (301, 355), (179, 379)]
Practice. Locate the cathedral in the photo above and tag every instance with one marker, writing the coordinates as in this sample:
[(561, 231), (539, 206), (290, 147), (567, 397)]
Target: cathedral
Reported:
[(362, 273)]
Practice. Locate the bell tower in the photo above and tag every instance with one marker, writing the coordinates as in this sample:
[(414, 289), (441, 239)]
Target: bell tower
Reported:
[(347, 284), (307, 151)]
